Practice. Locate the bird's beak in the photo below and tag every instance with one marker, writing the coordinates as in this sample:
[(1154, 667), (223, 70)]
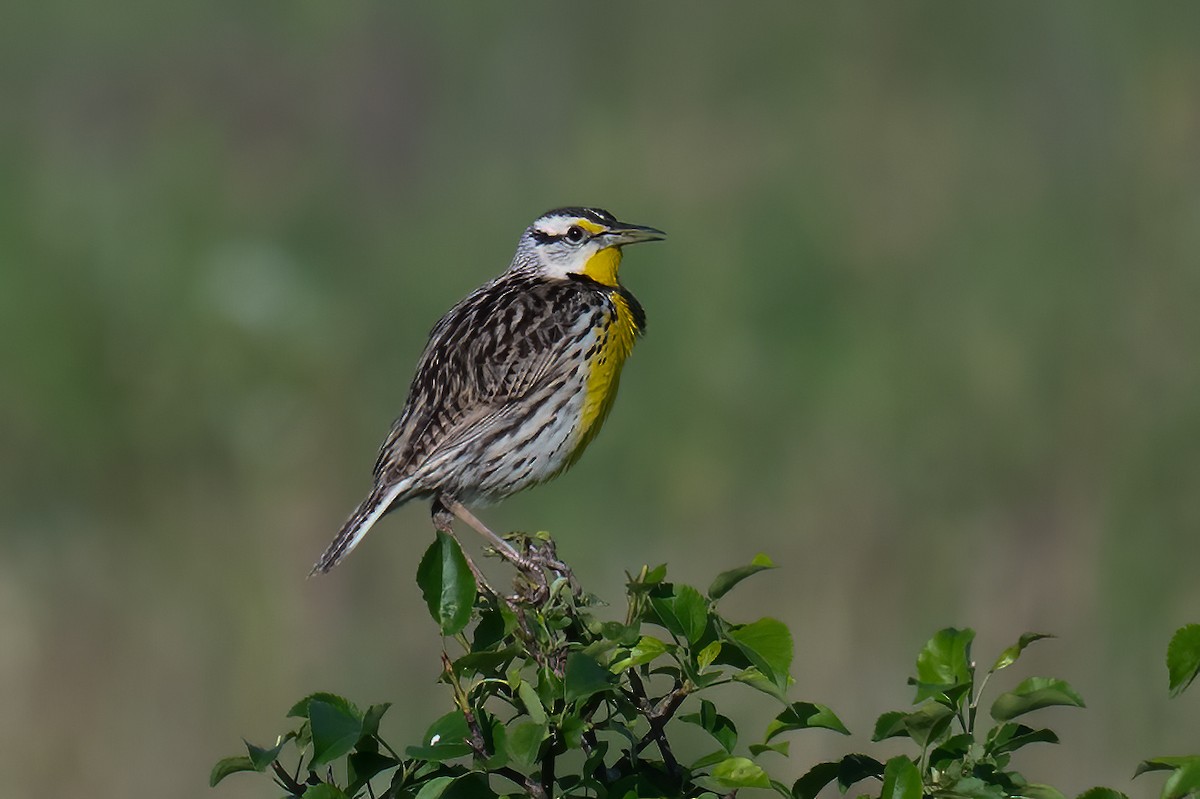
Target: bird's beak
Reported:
[(622, 233)]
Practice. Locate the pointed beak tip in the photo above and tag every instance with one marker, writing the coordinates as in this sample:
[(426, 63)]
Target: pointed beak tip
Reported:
[(634, 234)]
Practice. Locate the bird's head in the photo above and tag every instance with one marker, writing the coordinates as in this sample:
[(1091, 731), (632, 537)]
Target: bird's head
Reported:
[(579, 241)]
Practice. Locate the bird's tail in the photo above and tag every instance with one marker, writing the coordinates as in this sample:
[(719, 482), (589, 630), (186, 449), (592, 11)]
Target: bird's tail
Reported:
[(359, 524)]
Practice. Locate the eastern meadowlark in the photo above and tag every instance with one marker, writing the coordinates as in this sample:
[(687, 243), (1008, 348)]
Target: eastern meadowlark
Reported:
[(516, 378)]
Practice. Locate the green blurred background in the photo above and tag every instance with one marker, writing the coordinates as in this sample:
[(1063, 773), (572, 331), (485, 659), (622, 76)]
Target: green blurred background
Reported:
[(925, 331)]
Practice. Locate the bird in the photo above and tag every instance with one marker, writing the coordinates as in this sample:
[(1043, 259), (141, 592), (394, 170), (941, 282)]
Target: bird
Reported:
[(515, 380)]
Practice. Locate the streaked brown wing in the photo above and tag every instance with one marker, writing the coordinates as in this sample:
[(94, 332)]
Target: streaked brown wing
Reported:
[(496, 346)]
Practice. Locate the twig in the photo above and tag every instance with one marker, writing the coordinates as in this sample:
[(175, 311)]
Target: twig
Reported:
[(289, 784), (517, 778), (658, 716)]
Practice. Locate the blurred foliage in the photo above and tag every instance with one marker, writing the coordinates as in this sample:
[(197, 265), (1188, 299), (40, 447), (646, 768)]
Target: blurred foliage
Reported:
[(925, 328)]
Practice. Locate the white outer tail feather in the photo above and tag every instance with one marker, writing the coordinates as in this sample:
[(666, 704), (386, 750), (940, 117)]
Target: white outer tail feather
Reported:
[(359, 524)]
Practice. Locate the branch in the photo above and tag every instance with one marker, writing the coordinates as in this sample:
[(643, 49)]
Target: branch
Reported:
[(289, 784), (517, 778), (658, 716)]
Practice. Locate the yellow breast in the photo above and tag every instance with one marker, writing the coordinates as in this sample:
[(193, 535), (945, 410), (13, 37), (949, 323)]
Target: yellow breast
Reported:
[(616, 341)]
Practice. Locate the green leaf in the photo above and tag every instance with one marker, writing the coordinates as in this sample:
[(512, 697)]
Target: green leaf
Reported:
[(953, 748), (303, 734), (708, 654), (549, 687), (533, 704), (803, 716), (446, 739), (901, 780), (495, 738), (712, 758), (263, 758), (472, 785), (362, 766), (584, 677), (572, 730), (1010, 737), (648, 648), (949, 695), (525, 741), (847, 771), (975, 788), (944, 661), (373, 716), (855, 767), (1098, 792), (1164, 763), (890, 725), (727, 580), (447, 584), (1010, 655), (623, 634), (227, 766), (490, 628), (335, 731), (434, 788), (300, 709), (1183, 658), (716, 725), (927, 723), (324, 791), (740, 772), (691, 608), (767, 643), (755, 679), (1032, 694), (780, 747), (1183, 781), (684, 612), (816, 778)]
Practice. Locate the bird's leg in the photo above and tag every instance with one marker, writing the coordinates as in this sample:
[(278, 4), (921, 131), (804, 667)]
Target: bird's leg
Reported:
[(443, 521), (503, 547)]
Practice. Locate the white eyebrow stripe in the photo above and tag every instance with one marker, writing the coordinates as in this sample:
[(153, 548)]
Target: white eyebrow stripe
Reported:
[(556, 225)]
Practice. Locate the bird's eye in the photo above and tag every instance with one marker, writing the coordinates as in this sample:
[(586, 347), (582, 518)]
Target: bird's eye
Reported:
[(575, 234)]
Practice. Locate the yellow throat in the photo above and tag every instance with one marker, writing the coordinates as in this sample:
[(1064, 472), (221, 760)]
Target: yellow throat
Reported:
[(602, 267), (616, 342)]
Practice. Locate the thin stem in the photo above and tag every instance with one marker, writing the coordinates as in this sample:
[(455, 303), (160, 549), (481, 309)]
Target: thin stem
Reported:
[(388, 747), (517, 778), (286, 780), (658, 716), (975, 701)]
